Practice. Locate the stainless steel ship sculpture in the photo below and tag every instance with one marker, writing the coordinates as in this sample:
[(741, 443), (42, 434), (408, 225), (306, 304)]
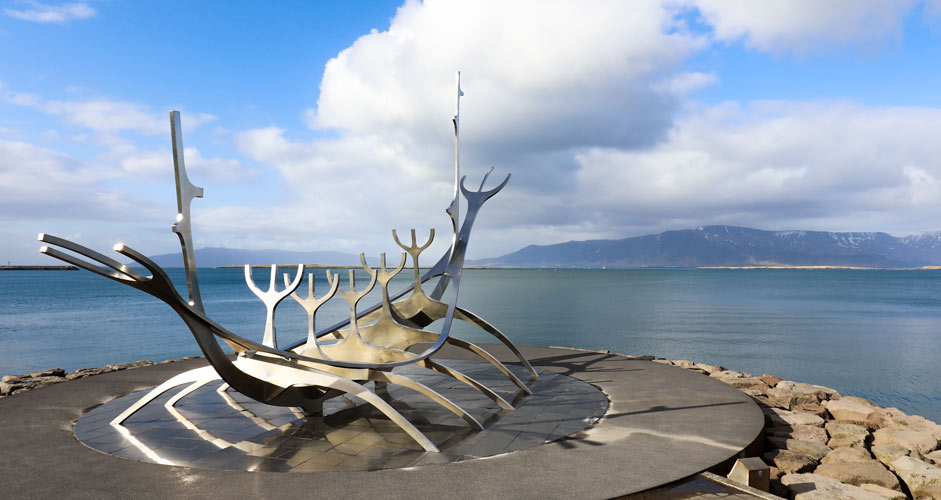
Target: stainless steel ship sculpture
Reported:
[(337, 360)]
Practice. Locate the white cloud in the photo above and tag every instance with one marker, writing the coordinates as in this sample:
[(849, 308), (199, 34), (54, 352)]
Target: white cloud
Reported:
[(158, 164), (103, 115), (804, 165), (803, 26), (38, 182), (42, 13), (548, 73), (582, 105)]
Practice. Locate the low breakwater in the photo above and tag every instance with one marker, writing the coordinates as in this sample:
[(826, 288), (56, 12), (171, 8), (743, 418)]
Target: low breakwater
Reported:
[(14, 384), (819, 444)]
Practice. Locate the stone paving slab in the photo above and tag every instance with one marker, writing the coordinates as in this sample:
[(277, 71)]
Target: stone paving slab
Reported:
[(662, 424)]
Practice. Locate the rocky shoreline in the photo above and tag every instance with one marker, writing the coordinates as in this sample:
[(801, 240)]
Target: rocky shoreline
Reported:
[(819, 444), (14, 384), (822, 445)]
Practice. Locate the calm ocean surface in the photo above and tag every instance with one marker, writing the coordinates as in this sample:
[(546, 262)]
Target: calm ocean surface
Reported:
[(867, 333)]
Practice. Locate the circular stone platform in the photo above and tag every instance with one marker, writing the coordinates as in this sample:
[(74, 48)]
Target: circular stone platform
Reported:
[(661, 424)]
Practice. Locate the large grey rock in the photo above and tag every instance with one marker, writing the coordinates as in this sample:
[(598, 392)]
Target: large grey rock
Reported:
[(710, 369), (788, 399), (849, 408), (885, 492), (819, 392), (25, 383), (922, 424), (83, 372), (52, 372), (789, 461), (847, 455), (771, 380), (811, 449), (801, 432), (814, 409), (846, 442), (819, 487), (753, 383), (887, 453), (919, 443), (922, 479), (780, 417), (895, 418), (859, 473), (841, 430)]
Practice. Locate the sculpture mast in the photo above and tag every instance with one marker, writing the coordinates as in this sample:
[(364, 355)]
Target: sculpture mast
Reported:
[(455, 209), (185, 192)]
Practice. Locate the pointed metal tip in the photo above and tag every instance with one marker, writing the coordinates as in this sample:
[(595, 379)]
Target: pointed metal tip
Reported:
[(118, 247)]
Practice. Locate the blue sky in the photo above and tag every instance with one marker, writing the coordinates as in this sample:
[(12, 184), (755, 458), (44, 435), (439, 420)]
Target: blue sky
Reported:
[(322, 125)]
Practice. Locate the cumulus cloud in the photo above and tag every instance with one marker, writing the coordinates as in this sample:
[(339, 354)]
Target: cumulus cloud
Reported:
[(140, 164), (103, 115), (43, 13), (585, 107), (588, 106), (541, 80), (43, 183), (804, 165), (549, 73), (803, 26)]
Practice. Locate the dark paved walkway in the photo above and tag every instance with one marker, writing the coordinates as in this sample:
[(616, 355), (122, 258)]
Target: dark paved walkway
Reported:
[(663, 424)]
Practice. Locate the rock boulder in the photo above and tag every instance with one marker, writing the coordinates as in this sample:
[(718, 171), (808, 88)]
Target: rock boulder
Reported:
[(859, 473), (846, 455), (789, 461), (781, 417), (850, 409), (818, 487), (919, 443), (922, 479)]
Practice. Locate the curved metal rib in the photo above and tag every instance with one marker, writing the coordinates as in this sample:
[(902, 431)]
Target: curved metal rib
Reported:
[(396, 379), (206, 373), (451, 372), (465, 315), (286, 376)]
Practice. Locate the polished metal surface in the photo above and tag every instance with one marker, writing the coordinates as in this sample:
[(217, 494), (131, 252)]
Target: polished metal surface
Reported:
[(311, 303), (185, 192), (213, 429), (309, 373), (272, 298)]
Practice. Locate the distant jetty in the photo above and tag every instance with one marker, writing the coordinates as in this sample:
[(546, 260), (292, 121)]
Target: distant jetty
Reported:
[(38, 268), (796, 267)]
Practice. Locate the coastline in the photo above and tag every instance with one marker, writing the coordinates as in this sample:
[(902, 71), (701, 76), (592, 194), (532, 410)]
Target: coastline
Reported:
[(814, 438), (849, 268), (38, 268)]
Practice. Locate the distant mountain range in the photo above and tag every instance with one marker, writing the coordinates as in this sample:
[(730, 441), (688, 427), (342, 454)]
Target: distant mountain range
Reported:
[(732, 246), (216, 257)]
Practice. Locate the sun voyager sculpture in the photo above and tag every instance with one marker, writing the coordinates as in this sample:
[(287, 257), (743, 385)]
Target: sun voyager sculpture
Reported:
[(334, 361)]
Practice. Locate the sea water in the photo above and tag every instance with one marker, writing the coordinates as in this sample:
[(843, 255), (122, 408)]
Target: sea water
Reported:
[(873, 334)]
